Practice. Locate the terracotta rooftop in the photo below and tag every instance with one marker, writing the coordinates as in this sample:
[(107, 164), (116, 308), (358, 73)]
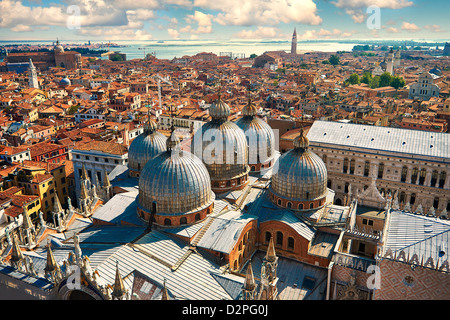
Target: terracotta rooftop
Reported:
[(103, 146)]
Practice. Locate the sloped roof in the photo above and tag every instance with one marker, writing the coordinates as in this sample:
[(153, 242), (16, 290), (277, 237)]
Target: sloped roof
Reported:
[(417, 142)]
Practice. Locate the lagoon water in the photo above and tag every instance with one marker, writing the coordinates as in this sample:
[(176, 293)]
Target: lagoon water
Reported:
[(169, 49)]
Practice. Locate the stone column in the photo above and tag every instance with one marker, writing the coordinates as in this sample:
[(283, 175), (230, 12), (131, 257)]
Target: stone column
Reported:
[(427, 181)]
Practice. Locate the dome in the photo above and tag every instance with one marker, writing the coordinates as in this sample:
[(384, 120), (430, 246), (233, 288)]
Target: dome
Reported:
[(223, 148), (436, 71), (219, 110), (177, 181), (300, 177), (144, 147), (65, 82), (58, 48), (260, 137)]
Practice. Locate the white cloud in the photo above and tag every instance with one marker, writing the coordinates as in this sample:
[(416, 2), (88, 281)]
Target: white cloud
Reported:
[(21, 28), (358, 16), (388, 4), (174, 34), (262, 12), (260, 33), (392, 30), (203, 21), (409, 27), (434, 28)]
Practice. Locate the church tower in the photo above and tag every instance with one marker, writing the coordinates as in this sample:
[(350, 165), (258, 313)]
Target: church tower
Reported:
[(294, 42), (390, 62), (32, 76)]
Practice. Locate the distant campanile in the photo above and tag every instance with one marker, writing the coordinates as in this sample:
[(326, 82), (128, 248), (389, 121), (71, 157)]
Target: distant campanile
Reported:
[(294, 42)]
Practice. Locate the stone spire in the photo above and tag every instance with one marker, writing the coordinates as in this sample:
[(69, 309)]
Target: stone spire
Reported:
[(249, 278), (106, 182), (165, 292), (83, 192), (16, 255), (119, 288), (51, 267), (84, 175), (57, 208), (249, 289), (27, 224), (270, 255)]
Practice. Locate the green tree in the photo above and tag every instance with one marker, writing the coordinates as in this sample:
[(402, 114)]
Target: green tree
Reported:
[(72, 109), (253, 56), (354, 79), (334, 60), (398, 82), (367, 78), (325, 62), (116, 57), (375, 83), (385, 80)]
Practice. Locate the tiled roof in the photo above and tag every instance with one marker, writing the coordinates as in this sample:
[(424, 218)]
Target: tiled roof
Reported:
[(106, 147)]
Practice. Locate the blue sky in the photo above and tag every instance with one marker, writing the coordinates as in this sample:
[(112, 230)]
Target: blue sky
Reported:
[(230, 19)]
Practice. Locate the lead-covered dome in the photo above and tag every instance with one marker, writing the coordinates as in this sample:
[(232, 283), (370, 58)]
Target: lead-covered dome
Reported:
[(144, 147), (260, 138), (223, 148), (300, 178), (180, 185)]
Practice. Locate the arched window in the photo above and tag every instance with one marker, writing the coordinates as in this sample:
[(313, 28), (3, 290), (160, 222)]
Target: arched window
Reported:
[(346, 187), (366, 168), (412, 200), (183, 220), (402, 197), (253, 168), (345, 166), (167, 222), (268, 236), (311, 205), (404, 174), (442, 178), (434, 178), (415, 174), (422, 175), (279, 238), (352, 166), (289, 205), (279, 202), (197, 217), (436, 202), (300, 206), (380, 170), (290, 243)]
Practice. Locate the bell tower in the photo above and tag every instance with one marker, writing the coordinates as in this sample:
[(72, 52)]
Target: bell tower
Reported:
[(294, 42)]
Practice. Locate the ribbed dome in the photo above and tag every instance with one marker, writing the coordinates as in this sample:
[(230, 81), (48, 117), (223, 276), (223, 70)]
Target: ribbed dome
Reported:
[(219, 110), (300, 174), (223, 148), (178, 181), (145, 146), (260, 136)]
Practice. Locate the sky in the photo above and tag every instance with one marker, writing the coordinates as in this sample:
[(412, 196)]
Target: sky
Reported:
[(224, 19)]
